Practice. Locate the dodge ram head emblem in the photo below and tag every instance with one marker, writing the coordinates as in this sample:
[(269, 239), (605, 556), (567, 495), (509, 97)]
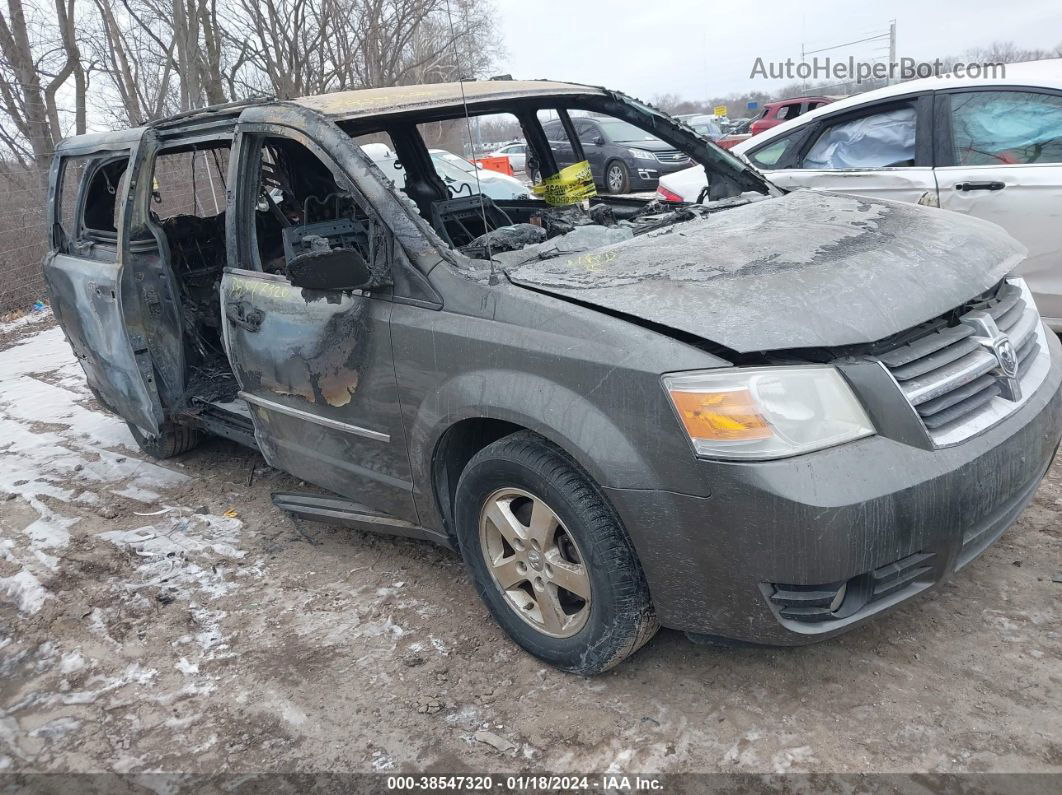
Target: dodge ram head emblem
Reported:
[(999, 345), (1008, 358)]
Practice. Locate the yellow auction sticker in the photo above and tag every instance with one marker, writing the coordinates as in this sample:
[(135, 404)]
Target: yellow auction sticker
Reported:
[(569, 185)]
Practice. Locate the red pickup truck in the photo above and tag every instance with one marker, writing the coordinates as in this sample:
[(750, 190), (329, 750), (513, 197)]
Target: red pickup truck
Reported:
[(775, 113)]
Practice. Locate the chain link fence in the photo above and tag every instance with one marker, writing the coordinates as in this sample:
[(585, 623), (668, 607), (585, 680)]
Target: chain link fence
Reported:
[(22, 238)]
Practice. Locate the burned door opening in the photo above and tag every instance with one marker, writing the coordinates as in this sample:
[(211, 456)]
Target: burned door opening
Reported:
[(314, 366)]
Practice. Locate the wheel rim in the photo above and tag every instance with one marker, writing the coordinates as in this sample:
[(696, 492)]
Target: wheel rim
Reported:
[(534, 562), (615, 178)]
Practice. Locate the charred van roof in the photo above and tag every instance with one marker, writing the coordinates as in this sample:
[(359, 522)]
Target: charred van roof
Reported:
[(343, 105)]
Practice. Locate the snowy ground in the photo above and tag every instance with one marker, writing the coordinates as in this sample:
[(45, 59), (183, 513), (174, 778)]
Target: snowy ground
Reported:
[(169, 618)]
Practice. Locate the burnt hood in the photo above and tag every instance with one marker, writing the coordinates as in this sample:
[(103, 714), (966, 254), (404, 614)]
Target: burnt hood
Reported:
[(808, 269)]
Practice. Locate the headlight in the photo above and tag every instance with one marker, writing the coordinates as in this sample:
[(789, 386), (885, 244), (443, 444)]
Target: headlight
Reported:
[(642, 154), (766, 412)]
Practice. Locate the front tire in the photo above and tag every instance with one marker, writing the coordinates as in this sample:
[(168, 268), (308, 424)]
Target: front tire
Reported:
[(617, 177), (172, 440), (549, 557)]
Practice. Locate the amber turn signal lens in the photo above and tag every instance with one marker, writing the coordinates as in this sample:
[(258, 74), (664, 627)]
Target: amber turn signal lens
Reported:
[(721, 416)]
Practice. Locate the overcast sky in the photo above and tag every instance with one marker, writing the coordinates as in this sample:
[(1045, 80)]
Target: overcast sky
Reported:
[(699, 49)]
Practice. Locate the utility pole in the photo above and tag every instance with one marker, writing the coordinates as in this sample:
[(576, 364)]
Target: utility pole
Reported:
[(892, 51), (804, 81)]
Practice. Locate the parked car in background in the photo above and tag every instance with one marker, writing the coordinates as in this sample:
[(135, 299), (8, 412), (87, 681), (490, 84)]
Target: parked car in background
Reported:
[(707, 125), (783, 110), (467, 179), (459, 174), (622, 157), (990, 147), (517, 154)]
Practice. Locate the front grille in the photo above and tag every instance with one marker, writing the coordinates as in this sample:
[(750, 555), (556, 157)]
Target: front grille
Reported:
[(672, 156), (813, 604), (955, 382)]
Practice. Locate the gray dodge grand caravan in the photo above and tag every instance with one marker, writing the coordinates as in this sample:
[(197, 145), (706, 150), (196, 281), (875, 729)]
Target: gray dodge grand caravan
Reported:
[(764, 416)]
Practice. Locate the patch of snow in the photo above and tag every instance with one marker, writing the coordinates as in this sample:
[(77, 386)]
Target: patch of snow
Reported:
[(25, 591), (782, 761), (56, 728), (382, 762), (140, 495), (97, 686), (28, 319), (71, 662)]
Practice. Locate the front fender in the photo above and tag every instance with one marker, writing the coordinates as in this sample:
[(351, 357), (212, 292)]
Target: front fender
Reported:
[(556, 412)]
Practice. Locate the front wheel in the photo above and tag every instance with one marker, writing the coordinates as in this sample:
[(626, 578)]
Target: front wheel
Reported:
[(548, 556), (617, 177)]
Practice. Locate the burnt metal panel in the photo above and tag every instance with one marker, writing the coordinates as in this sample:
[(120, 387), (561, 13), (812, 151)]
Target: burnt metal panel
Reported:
[(809, 269), (86, 297), (316, 371)]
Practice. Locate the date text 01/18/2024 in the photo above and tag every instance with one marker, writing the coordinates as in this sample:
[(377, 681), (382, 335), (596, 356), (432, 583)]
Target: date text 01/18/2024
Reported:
[(529, 782)]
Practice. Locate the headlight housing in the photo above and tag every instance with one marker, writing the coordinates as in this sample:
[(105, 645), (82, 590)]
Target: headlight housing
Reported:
[(642, 154), (757, 413)]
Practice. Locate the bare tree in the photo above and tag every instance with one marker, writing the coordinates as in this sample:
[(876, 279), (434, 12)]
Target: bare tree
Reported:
[(139, 64), (314, 46), (39, 55), (152, 58)]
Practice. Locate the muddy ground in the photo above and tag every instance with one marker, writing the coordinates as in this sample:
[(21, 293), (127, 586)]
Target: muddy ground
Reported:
[(170, 618)]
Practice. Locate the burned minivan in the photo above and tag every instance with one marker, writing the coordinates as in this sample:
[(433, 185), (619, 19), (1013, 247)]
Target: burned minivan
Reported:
[(763, 416)]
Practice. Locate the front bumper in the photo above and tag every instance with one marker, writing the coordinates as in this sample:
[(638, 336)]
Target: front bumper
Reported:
[(645, 174), (874, 514)]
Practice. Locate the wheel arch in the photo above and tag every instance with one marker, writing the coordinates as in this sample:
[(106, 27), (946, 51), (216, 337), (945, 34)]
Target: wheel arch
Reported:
[(454, 449), (477, 415)]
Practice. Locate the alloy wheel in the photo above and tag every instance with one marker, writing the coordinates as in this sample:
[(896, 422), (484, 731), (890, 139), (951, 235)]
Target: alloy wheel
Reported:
[(535, 562)]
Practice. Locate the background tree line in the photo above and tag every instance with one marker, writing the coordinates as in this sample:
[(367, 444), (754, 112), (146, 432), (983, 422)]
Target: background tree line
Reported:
[(75, 66), (67, 66)]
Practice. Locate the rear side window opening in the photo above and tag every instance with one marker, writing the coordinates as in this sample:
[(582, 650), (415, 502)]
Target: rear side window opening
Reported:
[(87, 199)]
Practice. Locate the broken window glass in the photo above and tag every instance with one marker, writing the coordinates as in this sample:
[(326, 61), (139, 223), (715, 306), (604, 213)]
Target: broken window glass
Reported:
[(1006, 127), (880, 140)]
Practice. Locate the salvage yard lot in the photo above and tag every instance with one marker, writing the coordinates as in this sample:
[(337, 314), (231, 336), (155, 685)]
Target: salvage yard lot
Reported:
[(168, 617)]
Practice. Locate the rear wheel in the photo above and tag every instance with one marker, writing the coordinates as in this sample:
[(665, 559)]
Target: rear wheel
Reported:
[(617, 177), (549, 557), (172, 440)]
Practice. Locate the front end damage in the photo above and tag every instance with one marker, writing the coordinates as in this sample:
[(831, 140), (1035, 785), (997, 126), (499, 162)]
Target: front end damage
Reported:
[(946, 355)]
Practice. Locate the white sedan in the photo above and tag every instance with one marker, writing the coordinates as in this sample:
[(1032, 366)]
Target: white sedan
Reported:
[(989, 147), (517, 154), (462, 178)]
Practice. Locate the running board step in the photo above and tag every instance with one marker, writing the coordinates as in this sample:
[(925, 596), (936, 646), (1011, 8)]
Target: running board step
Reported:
[(341, 511)]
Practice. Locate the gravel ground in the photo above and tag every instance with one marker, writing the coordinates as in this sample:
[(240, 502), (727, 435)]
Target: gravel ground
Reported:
[(168, 618)]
